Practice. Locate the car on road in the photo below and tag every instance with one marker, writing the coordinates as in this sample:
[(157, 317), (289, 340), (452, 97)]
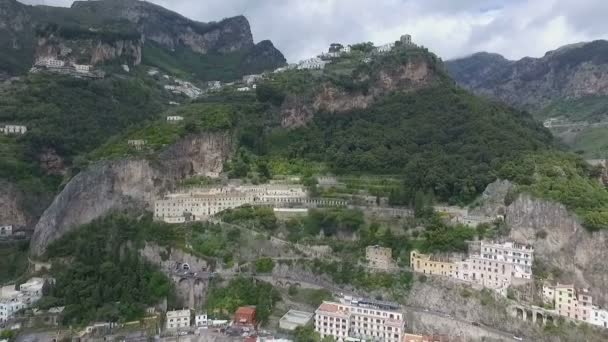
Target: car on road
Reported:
[(183, 333), (517, 338), (475, 323)]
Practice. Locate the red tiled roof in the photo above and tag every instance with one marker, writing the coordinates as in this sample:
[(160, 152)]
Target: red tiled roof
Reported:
[(245, 310)]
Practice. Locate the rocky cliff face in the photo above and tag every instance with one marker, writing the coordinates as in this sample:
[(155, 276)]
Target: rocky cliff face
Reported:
[(172, 30), (89, 51), (128, 183), (569, 72), (569, 251), (415, 74), (11, 210), (563, 247)]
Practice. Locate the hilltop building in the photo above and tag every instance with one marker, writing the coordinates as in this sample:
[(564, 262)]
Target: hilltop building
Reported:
[(312, 64), (363, 319), (406, 39), (385, 48), (178, 319), (252, 79), (380, 258)]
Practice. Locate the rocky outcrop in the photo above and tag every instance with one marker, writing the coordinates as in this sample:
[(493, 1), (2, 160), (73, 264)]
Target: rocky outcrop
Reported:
[(415, 74), (562, 245), (570, 72), (51, 162), (172, 30), (89, 51), (129, 183), (11, 209), (263, 56)]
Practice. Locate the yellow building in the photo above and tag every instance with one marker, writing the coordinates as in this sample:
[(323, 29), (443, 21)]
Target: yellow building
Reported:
[(570, 302), (432, 264)]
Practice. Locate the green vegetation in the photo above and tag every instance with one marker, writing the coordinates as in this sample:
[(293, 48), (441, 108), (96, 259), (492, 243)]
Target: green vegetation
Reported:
[(347, 273), (13, 261), (327, 221), (106, 279), (458, 139), (589, 108), (262, 217), (223, 301), (564, 178), (207, 117), (212, 240), (264, 265), (591, 142)]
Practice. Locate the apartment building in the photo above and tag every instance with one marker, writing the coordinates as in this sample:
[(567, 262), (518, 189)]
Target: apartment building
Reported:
[(361, 319), (178, 319), (433, 264), (570, 302), (519, 255)]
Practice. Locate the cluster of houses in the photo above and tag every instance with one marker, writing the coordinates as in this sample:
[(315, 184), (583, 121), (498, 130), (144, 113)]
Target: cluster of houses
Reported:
[(497, 265), (575, 304), (13, 129), (55, 65), (16, 298), (337, 50), (181, 87)]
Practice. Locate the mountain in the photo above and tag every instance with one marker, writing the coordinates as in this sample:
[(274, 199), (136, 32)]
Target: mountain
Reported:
[(570, 73), (568, 85), (107, 31)]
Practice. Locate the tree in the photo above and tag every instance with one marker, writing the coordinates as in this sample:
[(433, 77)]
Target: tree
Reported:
[(264, 265)]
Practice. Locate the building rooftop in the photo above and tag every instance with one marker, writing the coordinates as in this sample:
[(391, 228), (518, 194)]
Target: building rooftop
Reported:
[(298, 317), (178, 313), (245, 310)]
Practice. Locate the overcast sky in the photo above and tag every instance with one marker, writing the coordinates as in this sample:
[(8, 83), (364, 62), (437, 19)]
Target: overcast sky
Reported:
[(450, 28)]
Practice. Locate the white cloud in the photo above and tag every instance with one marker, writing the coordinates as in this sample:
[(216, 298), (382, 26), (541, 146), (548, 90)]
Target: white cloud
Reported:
[(514, 28)]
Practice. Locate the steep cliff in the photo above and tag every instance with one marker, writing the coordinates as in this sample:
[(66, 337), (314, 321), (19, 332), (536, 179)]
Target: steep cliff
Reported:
[(564, 250), (116, 30), (570, 72), (89, 50), (128, 183), (386, 75), (170, 29), (11, 209)]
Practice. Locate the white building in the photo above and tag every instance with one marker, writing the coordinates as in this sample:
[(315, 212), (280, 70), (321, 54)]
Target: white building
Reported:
[(13, 129), (201, 320), (178, 319), (49, 62), (83, 68), (599, 317), (294, 318), (243, 89), (32, 288), (137, 144), (214, 85), (518, 255), (312, 63), (175, 118), (6, 230), (385, 48), (252, 79), (199, 204), (12, 300), (361, 319)]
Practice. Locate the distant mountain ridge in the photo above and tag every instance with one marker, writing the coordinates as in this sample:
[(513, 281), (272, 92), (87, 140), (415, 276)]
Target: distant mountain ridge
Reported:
[(98, 32), (571, 72)]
